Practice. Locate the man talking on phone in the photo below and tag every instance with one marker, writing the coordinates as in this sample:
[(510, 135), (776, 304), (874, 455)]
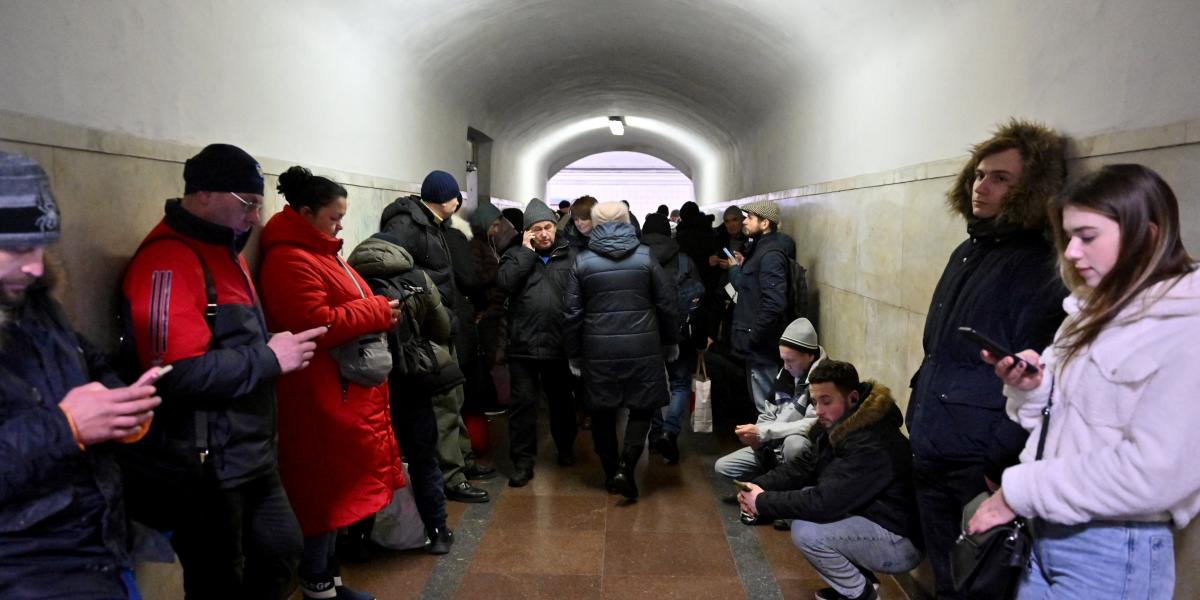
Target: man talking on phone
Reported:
[(62, 528), (534, 275), (1001, 282), (192, 305)]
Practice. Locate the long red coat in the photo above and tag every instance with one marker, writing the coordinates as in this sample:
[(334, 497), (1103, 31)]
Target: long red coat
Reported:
[(338, 456)]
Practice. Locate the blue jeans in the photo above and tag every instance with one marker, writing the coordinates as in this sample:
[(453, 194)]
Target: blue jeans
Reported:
[(761, 381), (680, 376), (1100, 560)]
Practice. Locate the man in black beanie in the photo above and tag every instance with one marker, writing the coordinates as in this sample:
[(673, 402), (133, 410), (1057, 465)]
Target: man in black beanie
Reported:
[(207, 469), (62, 527), (419, 225)]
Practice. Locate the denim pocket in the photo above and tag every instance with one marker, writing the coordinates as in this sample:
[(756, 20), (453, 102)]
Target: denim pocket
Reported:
[(1162, 568)]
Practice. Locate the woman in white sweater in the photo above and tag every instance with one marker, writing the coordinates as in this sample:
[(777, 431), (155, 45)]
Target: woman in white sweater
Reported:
[(1121, 379)]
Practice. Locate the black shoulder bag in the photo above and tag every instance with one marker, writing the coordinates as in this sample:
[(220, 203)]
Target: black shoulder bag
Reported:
[(989, 564)]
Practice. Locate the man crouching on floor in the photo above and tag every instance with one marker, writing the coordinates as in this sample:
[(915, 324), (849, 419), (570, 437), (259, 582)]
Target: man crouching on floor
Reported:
[(853, 506)]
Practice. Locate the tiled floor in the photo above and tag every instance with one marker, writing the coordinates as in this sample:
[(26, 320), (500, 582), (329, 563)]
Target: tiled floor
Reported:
[(563, 536)]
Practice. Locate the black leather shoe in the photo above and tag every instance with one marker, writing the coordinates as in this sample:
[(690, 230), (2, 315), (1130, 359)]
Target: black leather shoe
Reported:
[(478, 471), (440, 540), (624, 484), (465, 492), (521, 477)]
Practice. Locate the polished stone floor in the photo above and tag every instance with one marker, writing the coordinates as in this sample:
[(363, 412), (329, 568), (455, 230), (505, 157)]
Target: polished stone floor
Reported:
[(563, 536)]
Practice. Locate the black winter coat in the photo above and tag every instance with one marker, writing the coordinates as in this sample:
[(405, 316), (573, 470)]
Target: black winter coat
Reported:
[(861, 466), (761, 312), (1006, 287), (620, 312), (423, 237), (536, 299), (668, 254), (62, 521)]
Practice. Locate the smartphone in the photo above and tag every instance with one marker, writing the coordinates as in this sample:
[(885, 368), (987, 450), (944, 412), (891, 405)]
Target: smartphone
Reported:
[(729, 254), (994, 348), (153, 374), (741, 485)]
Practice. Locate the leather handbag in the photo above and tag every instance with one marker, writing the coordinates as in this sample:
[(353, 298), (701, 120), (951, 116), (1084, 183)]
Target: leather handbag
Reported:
[(365, 360), (989, 564)]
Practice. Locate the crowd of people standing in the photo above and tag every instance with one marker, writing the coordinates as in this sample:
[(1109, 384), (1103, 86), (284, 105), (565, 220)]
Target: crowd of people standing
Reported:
[(257, 418)]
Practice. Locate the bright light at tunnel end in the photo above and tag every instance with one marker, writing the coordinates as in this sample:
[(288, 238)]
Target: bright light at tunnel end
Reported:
[(616, 125), (703, 157)]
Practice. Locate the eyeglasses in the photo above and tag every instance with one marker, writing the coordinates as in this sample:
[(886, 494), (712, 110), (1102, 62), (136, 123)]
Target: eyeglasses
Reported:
[(247, 206)]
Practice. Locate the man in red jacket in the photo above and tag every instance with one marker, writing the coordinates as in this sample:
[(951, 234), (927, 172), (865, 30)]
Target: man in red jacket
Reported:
[(192, 305)]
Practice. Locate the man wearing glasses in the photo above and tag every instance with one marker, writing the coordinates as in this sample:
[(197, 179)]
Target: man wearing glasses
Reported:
[(207, 469)]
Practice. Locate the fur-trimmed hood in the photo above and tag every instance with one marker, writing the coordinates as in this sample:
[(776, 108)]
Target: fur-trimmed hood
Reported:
[(878, 406), (1044, 174)]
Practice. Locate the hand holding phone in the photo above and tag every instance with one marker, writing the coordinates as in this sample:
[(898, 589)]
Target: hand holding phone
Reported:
[(995, 349), (153, 374), (741, 485)]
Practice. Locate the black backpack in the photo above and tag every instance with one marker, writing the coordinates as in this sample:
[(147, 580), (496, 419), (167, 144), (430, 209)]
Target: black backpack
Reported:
[(690, 293), (797, 291), (412, 353)]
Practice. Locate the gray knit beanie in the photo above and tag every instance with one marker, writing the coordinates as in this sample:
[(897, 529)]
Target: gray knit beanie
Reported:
[(800, 335), (28, 212)]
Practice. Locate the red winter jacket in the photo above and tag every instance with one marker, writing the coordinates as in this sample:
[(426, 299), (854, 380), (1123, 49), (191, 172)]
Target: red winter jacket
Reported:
[(338, 456)]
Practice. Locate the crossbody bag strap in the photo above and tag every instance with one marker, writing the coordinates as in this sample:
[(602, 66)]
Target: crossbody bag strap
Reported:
[(1041, 447), (353, 279)]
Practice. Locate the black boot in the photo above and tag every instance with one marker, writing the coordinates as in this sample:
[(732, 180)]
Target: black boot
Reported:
[(623, 481), (667, 445), (440, 540)]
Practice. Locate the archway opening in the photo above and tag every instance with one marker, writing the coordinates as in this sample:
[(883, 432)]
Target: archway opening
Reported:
[(643, 180)]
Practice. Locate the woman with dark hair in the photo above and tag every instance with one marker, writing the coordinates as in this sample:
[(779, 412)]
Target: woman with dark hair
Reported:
[(337, 451), (1119, 383)]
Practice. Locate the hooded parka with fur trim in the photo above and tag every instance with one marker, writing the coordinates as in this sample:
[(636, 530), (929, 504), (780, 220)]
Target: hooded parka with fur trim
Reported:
[(1002, 281)]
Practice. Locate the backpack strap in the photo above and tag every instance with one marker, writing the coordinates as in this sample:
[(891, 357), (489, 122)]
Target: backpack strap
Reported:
[(200, 417)]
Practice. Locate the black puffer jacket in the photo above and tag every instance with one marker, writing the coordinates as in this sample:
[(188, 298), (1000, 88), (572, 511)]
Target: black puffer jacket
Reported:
[(862, 466), (535, 299), (761, 312), (62, 522), (620, 312), (419, 233)]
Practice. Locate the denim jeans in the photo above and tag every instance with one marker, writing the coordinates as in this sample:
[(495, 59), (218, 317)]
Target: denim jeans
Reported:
[(838, 551), (744, 463), (760, 378), (1100, 560), (679, 374)]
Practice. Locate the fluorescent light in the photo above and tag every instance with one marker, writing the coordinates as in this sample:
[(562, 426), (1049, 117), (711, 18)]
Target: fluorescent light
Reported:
[(616, 125)]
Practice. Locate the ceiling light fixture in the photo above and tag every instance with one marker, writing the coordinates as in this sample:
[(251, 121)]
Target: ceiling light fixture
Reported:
[(616, 125)]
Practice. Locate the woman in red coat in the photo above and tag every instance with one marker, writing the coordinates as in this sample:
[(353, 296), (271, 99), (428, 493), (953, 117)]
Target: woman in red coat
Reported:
[(337, 452)]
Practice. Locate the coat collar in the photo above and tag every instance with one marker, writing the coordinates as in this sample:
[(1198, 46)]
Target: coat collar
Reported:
[(877, 406), (288, 227)]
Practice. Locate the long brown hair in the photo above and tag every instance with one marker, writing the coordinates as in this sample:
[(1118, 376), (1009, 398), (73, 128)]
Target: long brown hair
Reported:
[(1151, 251)]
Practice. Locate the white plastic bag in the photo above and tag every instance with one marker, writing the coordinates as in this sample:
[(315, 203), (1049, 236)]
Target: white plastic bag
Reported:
[(398, 526), (702, 389)]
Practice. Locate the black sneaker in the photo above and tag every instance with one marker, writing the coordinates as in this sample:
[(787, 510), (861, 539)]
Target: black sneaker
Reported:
[(521, 477), (829, 593), (440, 540)]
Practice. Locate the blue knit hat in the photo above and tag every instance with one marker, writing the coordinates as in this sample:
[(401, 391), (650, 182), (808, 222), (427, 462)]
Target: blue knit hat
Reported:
[(440, 187), (28, 212)]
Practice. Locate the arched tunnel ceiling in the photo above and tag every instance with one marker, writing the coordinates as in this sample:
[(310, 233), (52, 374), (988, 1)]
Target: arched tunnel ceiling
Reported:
[(527, 67)]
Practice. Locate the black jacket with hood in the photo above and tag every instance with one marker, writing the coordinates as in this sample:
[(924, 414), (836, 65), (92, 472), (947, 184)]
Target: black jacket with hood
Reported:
[(669, 254), (419, 232), (861, 466), (1002, 281), (761, 312), (620, 312)]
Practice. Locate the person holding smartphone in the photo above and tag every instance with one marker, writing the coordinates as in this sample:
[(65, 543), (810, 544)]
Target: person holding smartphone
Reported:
[(1119, 382), (62, 525)]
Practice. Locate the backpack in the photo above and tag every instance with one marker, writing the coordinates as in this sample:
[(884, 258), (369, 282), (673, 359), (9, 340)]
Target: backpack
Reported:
[(797, 291), (690, 291), (412, 353)]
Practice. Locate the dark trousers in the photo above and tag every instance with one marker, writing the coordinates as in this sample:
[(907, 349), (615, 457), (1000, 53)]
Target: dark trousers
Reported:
[(416, 432), (318, 562), (242, 542), (530, 379), (604, 436), (942, 492)]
